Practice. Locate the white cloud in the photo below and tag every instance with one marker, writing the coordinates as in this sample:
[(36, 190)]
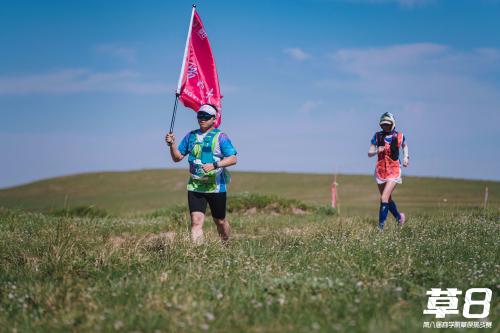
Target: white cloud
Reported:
[(406, 3), (309, 106), (357, 60), (119, 52), (417, 73), (79, 80), (297, 53), (402, 3)]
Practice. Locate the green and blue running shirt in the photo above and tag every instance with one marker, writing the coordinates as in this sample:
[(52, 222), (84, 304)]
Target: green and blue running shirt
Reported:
[(205, 148)]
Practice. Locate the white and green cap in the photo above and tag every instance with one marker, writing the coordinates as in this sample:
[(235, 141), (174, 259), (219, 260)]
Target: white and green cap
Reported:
[(387, 118)]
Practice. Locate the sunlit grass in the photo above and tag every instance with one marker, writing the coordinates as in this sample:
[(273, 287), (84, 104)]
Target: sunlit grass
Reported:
[(281, 271)]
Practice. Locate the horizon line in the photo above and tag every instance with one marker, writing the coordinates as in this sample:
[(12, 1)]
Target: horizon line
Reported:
[(235, 171)]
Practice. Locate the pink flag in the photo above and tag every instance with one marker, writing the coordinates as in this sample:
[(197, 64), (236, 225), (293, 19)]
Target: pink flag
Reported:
[(199, 82)]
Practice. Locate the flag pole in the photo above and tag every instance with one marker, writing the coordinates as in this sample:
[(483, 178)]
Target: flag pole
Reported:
[(179, 83), (335, 203), (485, 198), (174, 112)]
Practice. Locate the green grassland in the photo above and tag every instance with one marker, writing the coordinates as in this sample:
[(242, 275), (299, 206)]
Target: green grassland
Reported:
[(110, 252), (128, 193)]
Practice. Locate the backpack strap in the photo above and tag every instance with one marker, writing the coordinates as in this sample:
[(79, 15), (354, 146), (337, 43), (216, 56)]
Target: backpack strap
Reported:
[(380, 139), (400, 139), (395, 145), (191, 145), (215, 140), (191, 140), (209, 143)]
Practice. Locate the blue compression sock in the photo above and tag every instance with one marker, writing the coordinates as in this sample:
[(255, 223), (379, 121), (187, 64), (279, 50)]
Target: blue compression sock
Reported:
[(382, 216), (394, 210)]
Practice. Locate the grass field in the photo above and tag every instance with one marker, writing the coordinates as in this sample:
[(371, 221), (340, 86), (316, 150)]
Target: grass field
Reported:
[(127, 265), (129, 193)]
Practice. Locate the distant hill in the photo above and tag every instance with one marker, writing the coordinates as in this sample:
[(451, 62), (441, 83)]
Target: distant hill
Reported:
[(127, 193)]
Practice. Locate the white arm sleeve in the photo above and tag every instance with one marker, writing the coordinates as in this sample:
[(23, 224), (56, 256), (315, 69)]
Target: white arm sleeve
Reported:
[(406, 155), (372, 151)]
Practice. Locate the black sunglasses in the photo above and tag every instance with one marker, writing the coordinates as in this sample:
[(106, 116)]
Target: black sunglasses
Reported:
[(204, 117)]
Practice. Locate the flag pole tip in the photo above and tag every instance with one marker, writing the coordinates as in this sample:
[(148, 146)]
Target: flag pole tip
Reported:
[(194, 5)]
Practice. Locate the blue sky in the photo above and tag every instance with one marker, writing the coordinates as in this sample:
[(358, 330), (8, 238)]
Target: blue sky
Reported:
[(89, 85)]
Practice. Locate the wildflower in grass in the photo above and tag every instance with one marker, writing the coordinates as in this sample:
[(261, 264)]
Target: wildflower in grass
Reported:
[(255, 303), (163, 277), (118, 325)]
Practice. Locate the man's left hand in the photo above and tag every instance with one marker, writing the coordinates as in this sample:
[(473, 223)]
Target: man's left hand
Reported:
[(208, 167)]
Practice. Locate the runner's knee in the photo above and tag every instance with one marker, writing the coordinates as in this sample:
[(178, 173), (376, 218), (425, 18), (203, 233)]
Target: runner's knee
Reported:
[(197, 219), (385, 198)]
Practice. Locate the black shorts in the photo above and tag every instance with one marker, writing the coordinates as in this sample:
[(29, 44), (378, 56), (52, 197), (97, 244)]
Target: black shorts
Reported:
[(197, 202)]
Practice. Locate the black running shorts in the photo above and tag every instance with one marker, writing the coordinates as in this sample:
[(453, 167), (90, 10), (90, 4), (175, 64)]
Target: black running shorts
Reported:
[(197, 202)]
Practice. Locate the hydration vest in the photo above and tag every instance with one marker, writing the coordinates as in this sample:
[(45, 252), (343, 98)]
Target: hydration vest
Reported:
[(207, 146), (388, 166), (202, 153)]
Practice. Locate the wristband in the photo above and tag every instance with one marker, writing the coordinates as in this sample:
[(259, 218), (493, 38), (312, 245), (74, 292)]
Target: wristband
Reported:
[(216, 166)]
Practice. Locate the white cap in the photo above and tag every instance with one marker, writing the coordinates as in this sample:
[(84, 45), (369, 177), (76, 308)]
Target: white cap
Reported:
[(388, 118), (207, 108)]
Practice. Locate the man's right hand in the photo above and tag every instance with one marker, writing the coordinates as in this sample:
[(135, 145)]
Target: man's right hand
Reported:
[(381, 149), (170, 139)]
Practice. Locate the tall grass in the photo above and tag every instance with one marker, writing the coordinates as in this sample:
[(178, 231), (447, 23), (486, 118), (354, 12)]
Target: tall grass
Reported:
[(279, 273)]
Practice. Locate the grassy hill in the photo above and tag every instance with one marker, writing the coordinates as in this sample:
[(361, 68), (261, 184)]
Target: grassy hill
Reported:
[(129, 193)]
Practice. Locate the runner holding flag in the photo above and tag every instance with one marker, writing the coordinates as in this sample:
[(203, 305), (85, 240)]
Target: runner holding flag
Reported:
[(210, 151)]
